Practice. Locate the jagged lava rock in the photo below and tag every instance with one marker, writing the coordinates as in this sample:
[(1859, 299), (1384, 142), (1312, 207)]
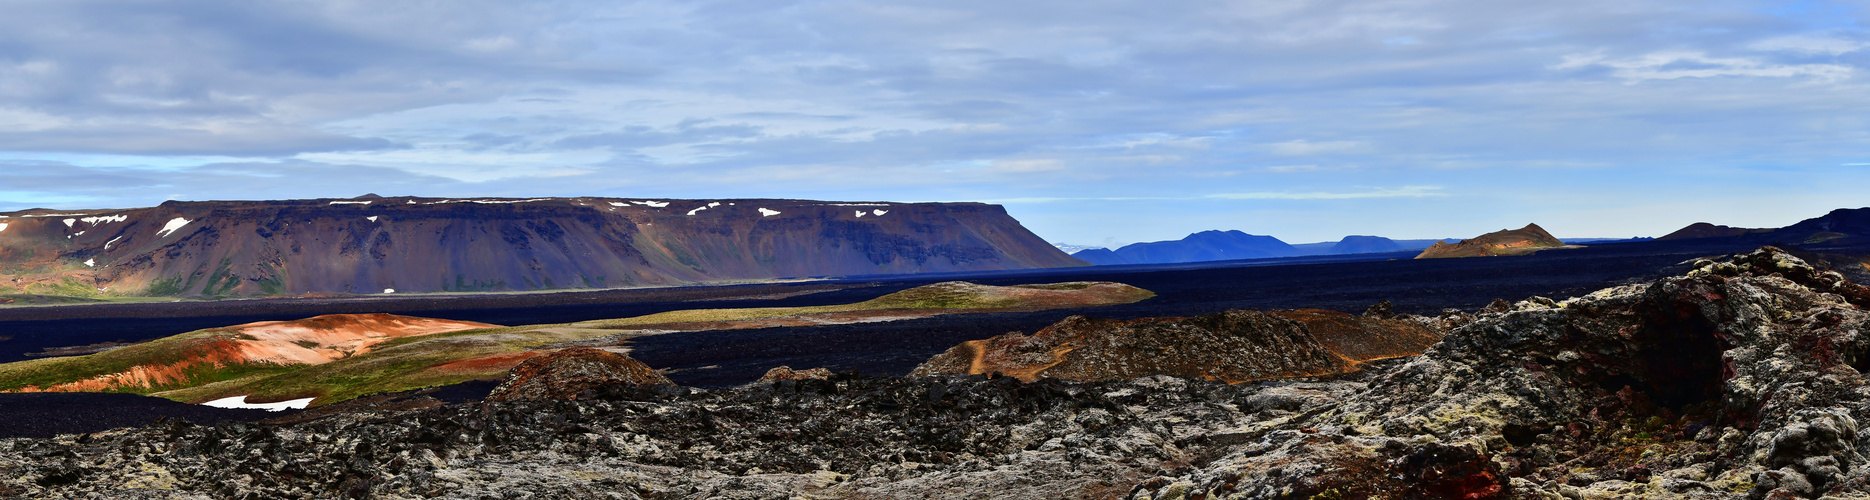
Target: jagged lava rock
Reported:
[(1233, 346), (412, 244), (567, 373), (1741, 379), (787, 373), (1525, 240)]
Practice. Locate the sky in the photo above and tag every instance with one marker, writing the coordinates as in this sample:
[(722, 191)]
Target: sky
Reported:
[(1092, 122)]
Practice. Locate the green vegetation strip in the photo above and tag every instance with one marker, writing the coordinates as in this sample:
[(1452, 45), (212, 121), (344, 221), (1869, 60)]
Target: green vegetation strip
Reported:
[(411, 362)]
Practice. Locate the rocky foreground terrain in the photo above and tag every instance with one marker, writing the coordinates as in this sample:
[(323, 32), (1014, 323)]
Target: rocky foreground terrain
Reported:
[(1740, 379)]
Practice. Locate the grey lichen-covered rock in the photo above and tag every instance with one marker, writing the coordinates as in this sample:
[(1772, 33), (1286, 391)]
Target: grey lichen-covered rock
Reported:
[(1741, 379)]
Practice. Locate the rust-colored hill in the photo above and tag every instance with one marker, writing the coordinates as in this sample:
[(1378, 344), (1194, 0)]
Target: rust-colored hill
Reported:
[(1233, 346), (1525, 240), (374, 244)]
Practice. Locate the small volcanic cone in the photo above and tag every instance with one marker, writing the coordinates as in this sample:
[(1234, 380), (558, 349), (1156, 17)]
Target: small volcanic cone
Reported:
[(564, 374), (1525, 240), (1233, 346)]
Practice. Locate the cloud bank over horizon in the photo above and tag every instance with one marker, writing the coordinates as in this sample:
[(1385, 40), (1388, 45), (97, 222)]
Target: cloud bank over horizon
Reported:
[(1101, 123)]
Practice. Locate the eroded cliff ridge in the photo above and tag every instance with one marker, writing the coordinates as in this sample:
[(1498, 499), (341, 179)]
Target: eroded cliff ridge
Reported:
[(1740, 379), (408, 244)]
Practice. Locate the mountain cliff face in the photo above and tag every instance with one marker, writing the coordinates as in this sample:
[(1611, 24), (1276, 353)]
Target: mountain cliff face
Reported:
[(404, 244), (1525, 240)]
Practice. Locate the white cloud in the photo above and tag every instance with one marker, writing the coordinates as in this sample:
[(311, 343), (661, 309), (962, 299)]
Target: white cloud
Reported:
[(1303, 147), (1028, 166), (1401, 192), (1671, 65), (1810, 44)]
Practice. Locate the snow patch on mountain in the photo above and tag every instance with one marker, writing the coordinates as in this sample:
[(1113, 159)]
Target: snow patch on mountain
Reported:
[(174, 224), (240, 402), (768, 213)]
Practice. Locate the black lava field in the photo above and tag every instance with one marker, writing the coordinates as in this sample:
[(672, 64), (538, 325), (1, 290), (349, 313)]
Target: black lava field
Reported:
[(720, 358)]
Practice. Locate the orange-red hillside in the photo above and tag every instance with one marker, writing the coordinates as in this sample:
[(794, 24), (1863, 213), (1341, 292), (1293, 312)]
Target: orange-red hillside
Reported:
[(190, 358), (1525, 240)]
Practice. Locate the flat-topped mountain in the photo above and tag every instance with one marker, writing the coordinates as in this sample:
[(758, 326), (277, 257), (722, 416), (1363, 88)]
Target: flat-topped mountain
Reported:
[(1199, 247), (1525, 240), (410, 244)]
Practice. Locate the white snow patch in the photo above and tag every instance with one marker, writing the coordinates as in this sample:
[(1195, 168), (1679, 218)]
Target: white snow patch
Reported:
[(879, 212), (350, 203), (697, 209), (69, 222), (860, 214), (389, 290), (768, 213), (174, 224), (80, 233), (730, 204), (240, 402), (105, 218), (652, 204), (2, 227), (91, 262), (372, 218), (411, 202), (714, 204), (619, 204), (107, 244), (490, 202)]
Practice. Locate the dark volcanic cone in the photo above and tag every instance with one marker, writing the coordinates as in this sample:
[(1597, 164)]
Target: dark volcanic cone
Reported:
[(566, 373), (1233, 346)]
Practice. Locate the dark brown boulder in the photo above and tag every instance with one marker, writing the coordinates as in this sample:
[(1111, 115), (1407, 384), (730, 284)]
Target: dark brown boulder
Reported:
[(787, 373), (566, 373)]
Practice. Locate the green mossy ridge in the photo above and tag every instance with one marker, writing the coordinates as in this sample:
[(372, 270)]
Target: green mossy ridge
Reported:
[(68, 287), (404, 363), (160, 352)]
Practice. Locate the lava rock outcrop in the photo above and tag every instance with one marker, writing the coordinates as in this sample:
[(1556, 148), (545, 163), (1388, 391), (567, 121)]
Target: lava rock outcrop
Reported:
[(1233, 346), (1742, 379), (567, 373), (787, 373)]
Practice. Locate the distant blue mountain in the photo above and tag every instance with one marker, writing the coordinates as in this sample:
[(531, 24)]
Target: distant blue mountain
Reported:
[(1230, 245), (1198, 247)]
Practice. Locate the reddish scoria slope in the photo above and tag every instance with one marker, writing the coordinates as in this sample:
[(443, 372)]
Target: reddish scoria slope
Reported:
[(221, 353), (1233, 346), (1525, 240), (372, 244)]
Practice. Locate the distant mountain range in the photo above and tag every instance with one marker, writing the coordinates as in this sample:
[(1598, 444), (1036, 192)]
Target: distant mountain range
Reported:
[(375, 244), (1231, 245), (1841, 226)]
